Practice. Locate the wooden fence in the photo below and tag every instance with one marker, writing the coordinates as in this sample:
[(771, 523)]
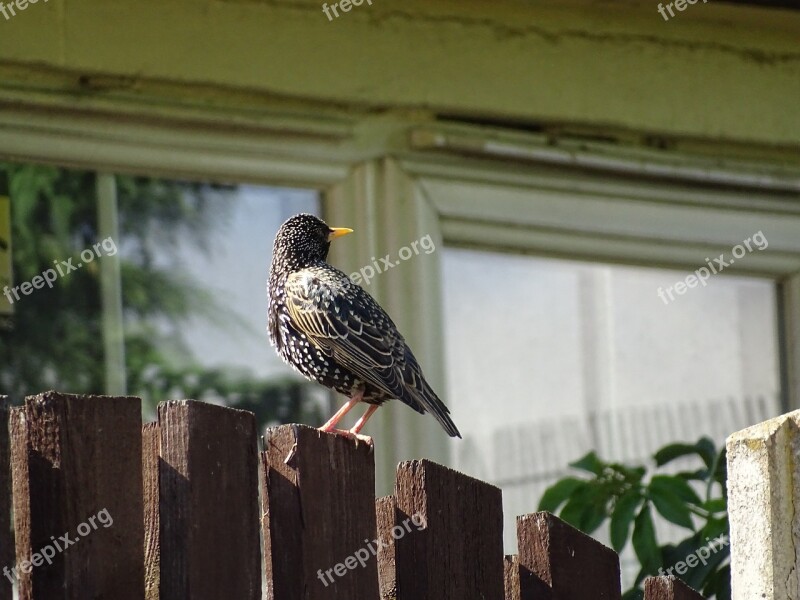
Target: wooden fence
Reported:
[(180, 509)]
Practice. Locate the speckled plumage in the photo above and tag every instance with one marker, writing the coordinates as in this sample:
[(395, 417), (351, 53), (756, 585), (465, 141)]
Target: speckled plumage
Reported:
[(333, 332)]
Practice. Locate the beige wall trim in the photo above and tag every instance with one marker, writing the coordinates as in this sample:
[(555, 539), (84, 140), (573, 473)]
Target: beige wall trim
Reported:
[(718, 72), (615, 159), (790, 338), (117, 143)]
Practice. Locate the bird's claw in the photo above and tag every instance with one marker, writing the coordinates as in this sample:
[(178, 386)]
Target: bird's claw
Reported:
[(291, 454), (364, 438), (293, 451), (357, 437)]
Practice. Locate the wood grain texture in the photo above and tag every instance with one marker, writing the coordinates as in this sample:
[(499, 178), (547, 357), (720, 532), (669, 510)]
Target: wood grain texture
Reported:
[(511, 572), (318, 516), (77, 466), (21, 495), (459, 554), (668, 588), (208, 478), (386, 510), (151, 449), (559, 562)]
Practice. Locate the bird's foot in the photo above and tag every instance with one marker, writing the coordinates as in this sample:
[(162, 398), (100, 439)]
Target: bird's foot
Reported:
[(352, 435), (291, 454)]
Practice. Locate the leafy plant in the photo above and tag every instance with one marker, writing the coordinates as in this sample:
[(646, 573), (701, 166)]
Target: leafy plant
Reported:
[(695, 500)]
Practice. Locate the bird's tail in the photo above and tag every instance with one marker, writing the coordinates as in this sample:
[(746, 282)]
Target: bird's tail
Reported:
[(427, 399)]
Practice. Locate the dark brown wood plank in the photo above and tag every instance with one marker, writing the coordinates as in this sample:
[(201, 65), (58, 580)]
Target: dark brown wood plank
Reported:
[(668, 588), (319, 518), (6, 535), (78, 497), (457, 552), (386, 510), (559, 562), (151, 449), (208, 478), (511, 564)]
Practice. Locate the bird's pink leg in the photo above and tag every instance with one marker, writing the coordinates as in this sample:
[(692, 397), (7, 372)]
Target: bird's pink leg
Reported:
[(334, 420), (363, 420), (330, 426)]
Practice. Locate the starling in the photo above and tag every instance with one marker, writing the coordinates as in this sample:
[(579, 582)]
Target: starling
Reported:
[(333, 332)]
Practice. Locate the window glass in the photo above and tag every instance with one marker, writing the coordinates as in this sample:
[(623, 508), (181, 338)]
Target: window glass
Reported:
[(193, 262), (548, 359)]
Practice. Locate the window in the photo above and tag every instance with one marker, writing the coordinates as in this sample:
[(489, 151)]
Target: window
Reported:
[(548, 359), (158, 290)]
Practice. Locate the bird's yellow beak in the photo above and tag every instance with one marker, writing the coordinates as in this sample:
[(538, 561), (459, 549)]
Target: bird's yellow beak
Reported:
[(337, 232)]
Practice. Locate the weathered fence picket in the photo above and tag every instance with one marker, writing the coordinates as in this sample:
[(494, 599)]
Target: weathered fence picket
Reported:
[(459, 552), (318, 516), (184, 493), (551, 555), (77, 492), (208, 480)]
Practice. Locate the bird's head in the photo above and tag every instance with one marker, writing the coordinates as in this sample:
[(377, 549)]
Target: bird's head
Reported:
[(303, 240)]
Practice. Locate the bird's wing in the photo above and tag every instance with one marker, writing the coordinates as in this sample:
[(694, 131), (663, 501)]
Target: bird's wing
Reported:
[(347, 324), (344, 324)]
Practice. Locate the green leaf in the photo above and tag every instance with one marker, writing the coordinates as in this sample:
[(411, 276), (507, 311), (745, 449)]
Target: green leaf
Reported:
[(714, 527), (662, 492), (589, 463), (621, 519), (720, 474), (719, 584), (644, 541), (560, 492), (715, 505), (694, 560), (573, 511), (592, 517), (704, 448), (698, 475), (671, 452), (699, 575), (635, 474), (707, 450), (677, 486)]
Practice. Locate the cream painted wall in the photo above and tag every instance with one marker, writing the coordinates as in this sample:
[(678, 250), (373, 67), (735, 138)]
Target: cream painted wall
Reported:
[(716, 72)]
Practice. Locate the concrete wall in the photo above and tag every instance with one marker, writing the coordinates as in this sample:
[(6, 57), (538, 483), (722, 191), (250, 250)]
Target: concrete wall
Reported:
[(763, 496)]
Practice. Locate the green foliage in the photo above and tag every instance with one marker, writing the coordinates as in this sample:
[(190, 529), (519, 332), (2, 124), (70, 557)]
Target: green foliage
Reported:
[(53, 339), (629, 500)]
